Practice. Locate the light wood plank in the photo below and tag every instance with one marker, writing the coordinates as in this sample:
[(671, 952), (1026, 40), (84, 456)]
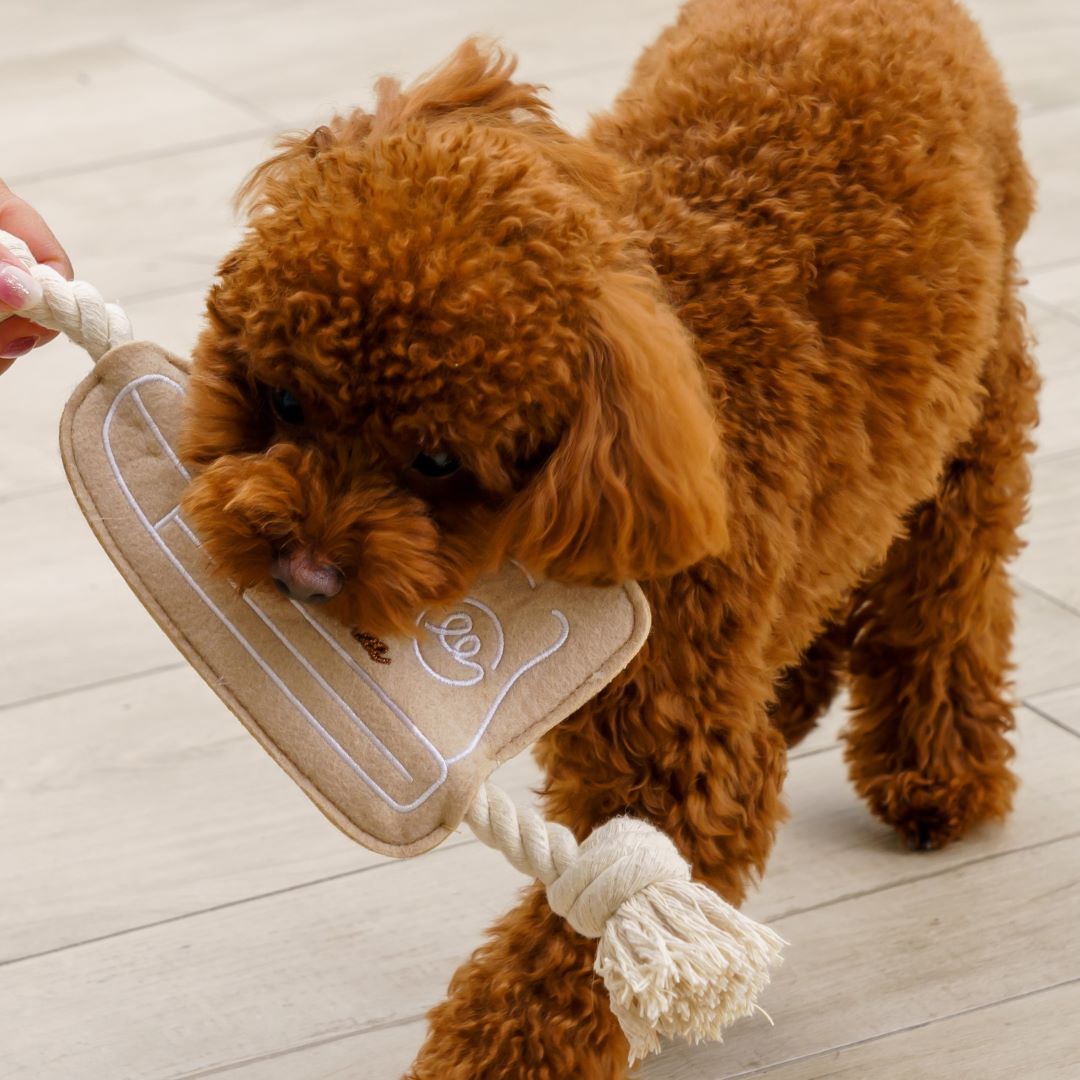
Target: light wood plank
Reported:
[(384, 1054), (334, 50), (1062, 705), (146, 800), (181, 996), (378, 946), (999, 18), (1049, 562), (150, 781), (103, 101), (1058, 287), (162, 222), (831, 847), (1026, 1037), (1058, 356), (907, 956), (293, 967), (69, 619), (1051, 142), (1046, 647), (1039, 62)]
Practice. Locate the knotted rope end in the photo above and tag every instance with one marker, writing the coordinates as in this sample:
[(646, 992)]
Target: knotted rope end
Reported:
[(677, 960), (680, 962)]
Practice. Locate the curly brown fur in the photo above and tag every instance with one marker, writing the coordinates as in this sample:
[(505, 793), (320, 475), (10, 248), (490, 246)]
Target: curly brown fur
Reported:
[(754, 341)]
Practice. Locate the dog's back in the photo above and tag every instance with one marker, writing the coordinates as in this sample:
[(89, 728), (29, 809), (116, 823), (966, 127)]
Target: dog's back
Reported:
[(832, 190)]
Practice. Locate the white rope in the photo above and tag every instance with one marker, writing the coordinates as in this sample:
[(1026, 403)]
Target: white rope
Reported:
[(542, 849), (677, 960), (72, 307)]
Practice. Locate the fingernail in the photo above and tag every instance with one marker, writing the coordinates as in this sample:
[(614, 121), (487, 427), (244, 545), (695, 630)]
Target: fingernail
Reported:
[(18, 290), (19, 347)]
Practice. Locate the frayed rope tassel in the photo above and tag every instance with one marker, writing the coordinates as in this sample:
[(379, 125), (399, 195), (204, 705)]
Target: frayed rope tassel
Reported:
[(677, 960)]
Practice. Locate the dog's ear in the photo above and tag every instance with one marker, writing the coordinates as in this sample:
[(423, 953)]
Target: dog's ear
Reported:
[(635, 487), (273, 178)]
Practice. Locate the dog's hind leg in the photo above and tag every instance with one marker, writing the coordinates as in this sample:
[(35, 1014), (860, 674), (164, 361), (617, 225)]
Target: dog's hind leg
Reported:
[(804, 691), (926, 744)]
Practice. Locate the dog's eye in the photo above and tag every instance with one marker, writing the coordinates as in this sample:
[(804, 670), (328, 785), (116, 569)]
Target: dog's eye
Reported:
[(436, 465), (288, 409)]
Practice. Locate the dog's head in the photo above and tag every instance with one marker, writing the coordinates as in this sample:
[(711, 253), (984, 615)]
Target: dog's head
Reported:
[(439, 344)]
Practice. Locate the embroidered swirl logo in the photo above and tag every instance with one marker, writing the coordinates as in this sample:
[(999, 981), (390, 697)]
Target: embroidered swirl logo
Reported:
[(459, 637)]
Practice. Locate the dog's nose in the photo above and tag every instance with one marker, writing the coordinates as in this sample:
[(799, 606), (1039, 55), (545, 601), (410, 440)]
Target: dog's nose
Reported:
[(300, 575)]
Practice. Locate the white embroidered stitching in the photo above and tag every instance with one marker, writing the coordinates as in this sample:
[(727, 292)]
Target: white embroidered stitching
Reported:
[(328, 689), (539, 658), (181, 569), (152, 424), (461, 643), (441, 761), (528, 577), (133, 502)]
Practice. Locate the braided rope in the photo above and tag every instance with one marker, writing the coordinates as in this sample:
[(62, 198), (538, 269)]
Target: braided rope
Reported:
[(585, 884), (542, 849), (72, 307)]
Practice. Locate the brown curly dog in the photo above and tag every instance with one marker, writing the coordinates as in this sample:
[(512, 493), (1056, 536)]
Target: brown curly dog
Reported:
[(754, 341)]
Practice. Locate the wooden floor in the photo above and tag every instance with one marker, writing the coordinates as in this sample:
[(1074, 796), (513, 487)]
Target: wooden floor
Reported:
[(171, 906)]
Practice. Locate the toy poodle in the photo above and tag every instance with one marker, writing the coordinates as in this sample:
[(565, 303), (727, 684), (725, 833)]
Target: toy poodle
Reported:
[(754, 340)]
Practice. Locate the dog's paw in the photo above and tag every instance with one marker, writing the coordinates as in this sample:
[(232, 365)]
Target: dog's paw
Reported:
[(929, 812)]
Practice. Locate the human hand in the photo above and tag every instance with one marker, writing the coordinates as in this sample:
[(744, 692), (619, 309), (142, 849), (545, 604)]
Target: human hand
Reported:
[(17, 289)]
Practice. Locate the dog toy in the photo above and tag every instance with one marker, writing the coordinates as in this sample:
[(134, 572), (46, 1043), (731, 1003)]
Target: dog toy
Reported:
[(398, 753)]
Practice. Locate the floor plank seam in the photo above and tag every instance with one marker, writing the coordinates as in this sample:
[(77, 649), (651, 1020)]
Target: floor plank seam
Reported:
[(165, 291), (1052, 264), (66, 48), (1054, 455), (70, 691), (207, 85), (916, 879), (1060, 312), (1052, 719), (1049, 110), (29, 493), (225, 905), (64, 172), (275, 1055), (1056, 601), (800, 755), (764, 1070)]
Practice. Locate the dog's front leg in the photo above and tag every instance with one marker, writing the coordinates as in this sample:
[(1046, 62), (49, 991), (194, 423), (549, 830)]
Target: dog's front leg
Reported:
[(525, 1006), (695, 754)]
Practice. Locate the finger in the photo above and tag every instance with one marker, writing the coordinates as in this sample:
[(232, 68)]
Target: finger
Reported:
[(18, 336), (18, 290), (4, 365), (25, 222)]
